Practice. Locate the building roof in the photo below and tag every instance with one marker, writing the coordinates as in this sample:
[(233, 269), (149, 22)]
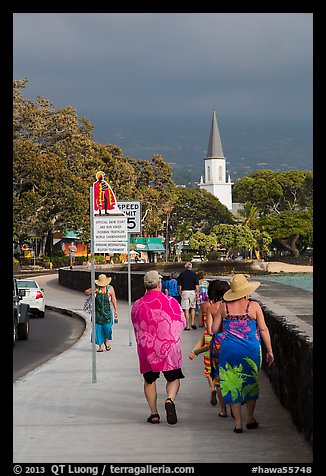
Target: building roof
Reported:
[(148, 244), (214, 150)]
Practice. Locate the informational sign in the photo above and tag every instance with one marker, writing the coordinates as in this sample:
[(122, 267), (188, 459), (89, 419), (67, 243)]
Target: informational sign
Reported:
[(111, 248), (110, 234), (132, 210)]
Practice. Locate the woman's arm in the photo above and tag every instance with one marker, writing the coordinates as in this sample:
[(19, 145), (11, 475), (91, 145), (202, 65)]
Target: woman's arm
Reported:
[(88, 291), (264, 332), (114, 301)]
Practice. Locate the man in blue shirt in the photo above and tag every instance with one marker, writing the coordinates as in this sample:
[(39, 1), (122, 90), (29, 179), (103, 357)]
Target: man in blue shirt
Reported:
[(188, 285)]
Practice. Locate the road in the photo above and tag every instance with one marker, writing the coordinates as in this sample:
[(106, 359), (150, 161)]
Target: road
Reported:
[(48, 338)]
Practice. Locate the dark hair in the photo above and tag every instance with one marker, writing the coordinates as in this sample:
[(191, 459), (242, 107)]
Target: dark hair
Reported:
[(216, 289), (200, 274), (174, 275)]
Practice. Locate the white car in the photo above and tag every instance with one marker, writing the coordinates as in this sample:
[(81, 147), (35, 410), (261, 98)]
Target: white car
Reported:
[(197, 259), (34, 296)]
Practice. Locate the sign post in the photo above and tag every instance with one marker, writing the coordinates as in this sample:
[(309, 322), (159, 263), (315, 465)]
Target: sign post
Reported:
[(108, 232), (132, 210), (92, 285)]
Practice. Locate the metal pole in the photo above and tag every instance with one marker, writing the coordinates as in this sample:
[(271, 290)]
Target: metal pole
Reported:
[(129, 290), (91, 210)]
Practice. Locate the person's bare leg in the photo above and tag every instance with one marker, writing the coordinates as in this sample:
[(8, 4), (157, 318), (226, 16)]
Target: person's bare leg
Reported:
[(172, 389), (192, 314), (151, 396), (236, 410), (186, 312), (250, 404), (221, 401), (200, 316)]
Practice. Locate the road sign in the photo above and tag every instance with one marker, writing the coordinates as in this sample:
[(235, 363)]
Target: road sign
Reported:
[(132, 210), (110, 233)]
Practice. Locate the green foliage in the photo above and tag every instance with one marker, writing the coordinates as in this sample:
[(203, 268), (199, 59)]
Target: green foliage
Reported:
[(203, 243), (280, 204)]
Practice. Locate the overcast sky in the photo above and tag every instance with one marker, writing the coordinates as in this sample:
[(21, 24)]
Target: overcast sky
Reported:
[(254, 65)]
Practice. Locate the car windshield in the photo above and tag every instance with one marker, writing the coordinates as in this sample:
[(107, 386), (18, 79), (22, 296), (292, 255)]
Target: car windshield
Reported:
[(27, 284)]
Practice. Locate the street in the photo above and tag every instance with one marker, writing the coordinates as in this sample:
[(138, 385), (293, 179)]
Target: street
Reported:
[(48, 337)]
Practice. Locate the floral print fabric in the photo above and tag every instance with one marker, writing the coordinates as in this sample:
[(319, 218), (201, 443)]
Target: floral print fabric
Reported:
[(239, 359), (158, 322)]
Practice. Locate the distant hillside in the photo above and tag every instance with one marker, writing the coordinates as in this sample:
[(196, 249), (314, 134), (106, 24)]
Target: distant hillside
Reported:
[(248, 145)]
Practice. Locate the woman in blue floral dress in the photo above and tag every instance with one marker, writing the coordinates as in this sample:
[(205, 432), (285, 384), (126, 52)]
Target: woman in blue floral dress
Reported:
[(243, 325)]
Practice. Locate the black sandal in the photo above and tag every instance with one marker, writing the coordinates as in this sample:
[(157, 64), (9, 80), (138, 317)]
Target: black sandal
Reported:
[(155, 418), (171, 414), (238, 430), (253, 425)]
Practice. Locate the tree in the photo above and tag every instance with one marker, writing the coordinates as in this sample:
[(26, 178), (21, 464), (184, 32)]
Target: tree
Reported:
[(274, 192), (199, 210), (284, 203), (287, 227), (203, 243), (156, 190)]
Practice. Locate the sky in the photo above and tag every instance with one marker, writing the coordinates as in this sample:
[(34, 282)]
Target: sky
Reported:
[(245, 65)]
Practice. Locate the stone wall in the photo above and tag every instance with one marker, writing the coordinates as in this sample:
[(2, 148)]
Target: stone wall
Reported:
[(292, 374)]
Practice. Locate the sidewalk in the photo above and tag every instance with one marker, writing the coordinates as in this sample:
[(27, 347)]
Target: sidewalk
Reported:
[(60, 416)]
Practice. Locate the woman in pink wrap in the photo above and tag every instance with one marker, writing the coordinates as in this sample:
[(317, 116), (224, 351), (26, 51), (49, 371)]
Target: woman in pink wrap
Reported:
[(158, 322)]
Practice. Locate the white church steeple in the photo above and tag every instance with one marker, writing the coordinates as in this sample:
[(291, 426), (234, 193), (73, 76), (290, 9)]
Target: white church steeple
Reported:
[(215, 168)]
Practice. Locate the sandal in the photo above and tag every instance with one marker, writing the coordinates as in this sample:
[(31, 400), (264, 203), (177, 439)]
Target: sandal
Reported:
[(238, 430), (108, 347), (252, 425), (222, 416), (99, 350), (155, 418), (171, 415)]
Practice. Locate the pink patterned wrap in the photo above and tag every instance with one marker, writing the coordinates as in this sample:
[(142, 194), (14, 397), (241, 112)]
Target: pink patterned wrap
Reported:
[(158, 322)]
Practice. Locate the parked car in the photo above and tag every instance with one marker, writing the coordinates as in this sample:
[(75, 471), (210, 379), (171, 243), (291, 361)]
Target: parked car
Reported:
[(197, 259), (34, 296), (21, 314)]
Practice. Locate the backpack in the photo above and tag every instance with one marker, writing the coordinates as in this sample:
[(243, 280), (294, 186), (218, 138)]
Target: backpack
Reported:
[(102, 308)]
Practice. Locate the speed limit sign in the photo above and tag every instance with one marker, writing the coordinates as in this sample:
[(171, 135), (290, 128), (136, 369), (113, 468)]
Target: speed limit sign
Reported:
[(132, 210)]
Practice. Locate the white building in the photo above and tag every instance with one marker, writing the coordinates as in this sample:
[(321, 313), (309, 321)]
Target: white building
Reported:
[(215, 168)]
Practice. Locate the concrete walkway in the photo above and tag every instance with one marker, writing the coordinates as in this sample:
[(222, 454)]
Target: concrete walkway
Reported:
[(60, 416)]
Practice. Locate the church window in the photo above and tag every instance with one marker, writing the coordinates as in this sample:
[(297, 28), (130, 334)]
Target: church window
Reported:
[(208, 173), (220, 173)]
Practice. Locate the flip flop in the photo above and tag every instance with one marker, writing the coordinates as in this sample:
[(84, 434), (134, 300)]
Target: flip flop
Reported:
[(238, 430), (99, 350), (171, 415), (252, 425), (222, 416), (108, 347), (155, 418)]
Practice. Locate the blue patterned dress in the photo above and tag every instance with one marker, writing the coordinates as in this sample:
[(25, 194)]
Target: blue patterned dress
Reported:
[(239, 358)]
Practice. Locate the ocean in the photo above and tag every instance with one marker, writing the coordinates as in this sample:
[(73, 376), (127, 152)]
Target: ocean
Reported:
[(299, 280)]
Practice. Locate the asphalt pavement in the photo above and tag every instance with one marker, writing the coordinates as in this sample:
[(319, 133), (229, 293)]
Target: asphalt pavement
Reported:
[(62, 414)]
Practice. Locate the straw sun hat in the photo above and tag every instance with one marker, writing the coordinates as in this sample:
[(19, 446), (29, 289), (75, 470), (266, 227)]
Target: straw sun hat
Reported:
[(240, 287), (103, 280)]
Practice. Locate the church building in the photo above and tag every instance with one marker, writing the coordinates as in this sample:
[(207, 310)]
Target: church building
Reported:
[(215, 168)]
